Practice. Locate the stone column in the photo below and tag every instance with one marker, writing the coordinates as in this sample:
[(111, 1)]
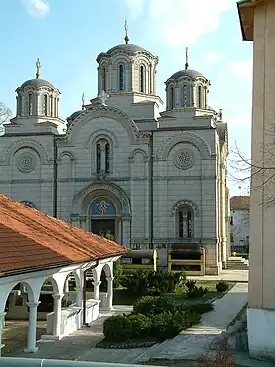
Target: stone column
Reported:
[(96, 285), (2, 324), (194, 102), (66, 286), (110, 292), (79, 296), (126, 224), (31, 346), (57, 314)]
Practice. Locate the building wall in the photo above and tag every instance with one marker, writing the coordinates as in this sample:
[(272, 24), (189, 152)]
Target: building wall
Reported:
[(239, 227)]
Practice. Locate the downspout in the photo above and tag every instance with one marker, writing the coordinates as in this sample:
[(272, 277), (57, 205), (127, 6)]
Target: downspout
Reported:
[(151, 191), (54, 178), (85, 292)]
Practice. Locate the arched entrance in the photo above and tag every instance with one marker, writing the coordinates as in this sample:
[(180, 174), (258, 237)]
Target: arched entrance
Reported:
[(104, 218)]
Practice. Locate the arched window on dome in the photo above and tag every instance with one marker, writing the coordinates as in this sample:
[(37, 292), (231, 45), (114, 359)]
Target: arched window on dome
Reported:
[(102, 156), (103, 86), (20, 106), (45, 104), (185, 96), (172, 98), (30, 104), (121, 76), (142, 78), (185, 225), (200, 96)]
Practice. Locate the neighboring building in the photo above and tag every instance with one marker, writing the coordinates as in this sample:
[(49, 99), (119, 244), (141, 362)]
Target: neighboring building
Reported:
[(120, 166), (258, 25), (239, 222)]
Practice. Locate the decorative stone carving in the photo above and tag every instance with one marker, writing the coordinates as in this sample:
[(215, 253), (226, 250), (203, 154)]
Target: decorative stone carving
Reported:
[(185, 202), (26, 162), (184, 159)]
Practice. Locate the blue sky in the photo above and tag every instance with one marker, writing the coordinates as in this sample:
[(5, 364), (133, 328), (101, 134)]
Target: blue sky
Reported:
[(67, 35)]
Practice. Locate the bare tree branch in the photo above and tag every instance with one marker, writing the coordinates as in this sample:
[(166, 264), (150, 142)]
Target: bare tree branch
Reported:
[(5, 115)]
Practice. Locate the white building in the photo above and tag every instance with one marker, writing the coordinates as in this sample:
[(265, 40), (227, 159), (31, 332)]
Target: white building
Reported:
[(239, 221), (120, 165)]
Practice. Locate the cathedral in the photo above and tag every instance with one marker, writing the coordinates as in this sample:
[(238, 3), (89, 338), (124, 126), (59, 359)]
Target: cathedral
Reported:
[(119, 166)]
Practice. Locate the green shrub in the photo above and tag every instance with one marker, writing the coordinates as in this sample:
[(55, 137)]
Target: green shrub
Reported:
[(137, 283), (150, 305), (141, 325), (222, 286), (198, 308), (117, 328), (118, 273), (197, 292), (190, 284)]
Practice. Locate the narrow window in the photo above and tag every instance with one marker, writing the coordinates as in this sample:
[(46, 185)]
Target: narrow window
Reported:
[(200, 96), (121, 77), (98, 157), (185, 96), (45, 105), (20, 105), (172, 97), (185, 223), (30, 104), (104, 79), (142, 79), (107, 157)]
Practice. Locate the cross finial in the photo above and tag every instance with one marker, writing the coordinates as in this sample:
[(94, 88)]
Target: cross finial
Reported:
[(126, 38), (83, 101), (186, 59), (102, 97), (38, 66)]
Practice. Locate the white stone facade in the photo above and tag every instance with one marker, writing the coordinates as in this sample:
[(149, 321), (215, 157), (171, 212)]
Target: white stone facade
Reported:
[(151, 178)]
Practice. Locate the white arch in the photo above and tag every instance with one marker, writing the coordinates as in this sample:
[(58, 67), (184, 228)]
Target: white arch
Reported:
[(102, 133), (26, 143), (136, 151), (183, 137)]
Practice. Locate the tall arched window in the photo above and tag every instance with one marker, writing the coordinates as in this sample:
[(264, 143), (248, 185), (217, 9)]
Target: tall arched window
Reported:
[(45, 105), (185, 222), (20, 104), (121, 77), (142, 78), (185, 95), (172, 97), (104, 79), (30, 104), (200, 96), (103, 156)]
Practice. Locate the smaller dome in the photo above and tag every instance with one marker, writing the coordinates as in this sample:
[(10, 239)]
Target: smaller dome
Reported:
[(74, 115), (37, 83), (187, 72)]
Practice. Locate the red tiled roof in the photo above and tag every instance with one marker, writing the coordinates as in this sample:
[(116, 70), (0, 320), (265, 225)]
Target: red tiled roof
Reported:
[(239, 202), (30, 239)]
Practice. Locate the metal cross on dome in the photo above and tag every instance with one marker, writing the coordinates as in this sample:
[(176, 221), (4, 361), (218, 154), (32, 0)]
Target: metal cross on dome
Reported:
[(103, 96)]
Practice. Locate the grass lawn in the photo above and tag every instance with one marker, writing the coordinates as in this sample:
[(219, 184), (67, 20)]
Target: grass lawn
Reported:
[(122, 297), (179, 363)]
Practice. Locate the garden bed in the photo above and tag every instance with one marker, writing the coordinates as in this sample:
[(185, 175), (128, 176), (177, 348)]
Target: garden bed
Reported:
[(129, 344)]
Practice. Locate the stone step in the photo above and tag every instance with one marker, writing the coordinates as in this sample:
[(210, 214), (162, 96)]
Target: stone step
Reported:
[(239, 267)]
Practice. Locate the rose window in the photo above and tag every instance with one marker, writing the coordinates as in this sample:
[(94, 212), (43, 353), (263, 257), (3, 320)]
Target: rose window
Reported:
[(184, 159)]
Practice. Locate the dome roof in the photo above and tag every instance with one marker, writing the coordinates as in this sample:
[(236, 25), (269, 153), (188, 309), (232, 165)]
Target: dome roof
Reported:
[(187, 72), (128, 47), (74, 115), (37, 83)]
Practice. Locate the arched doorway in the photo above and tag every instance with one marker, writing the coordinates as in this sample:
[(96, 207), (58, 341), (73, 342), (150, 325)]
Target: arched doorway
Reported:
[(103, 218)]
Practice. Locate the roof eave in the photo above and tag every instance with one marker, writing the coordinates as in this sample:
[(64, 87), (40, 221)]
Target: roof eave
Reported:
[(246, 16)]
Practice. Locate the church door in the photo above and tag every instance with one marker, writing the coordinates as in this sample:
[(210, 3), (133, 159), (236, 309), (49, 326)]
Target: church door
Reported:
[(103, 218)]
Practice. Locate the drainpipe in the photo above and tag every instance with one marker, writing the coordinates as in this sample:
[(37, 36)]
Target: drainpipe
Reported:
[(151, 191), (85, 293), (54, 178)]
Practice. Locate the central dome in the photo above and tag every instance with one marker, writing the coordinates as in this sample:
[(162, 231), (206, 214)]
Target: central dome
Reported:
[(37, 83), (127, 47)]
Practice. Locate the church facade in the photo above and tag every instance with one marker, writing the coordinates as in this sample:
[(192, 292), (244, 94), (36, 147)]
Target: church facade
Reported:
[(119, 165)]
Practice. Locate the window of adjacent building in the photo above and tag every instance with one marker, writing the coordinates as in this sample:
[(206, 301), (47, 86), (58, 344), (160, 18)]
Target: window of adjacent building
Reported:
[(30, 104), (121, 77), (104, 79), (103, 156), (185, 223), (45, 105), (142, 79)]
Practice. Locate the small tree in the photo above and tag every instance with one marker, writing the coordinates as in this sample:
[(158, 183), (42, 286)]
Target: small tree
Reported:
[(5, 114)]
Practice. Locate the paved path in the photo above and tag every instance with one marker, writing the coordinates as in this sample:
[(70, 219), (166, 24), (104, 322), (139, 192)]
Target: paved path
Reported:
[(194, 342), (229, 275)]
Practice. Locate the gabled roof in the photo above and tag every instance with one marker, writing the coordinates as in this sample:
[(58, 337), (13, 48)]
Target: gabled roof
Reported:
[(31, 240), (240, 202)]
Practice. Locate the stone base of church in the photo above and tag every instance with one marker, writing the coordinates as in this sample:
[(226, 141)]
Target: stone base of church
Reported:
[(261, 336)]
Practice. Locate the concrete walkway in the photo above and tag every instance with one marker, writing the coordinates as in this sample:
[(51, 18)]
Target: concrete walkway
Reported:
[(228, 275), (193, 343)]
